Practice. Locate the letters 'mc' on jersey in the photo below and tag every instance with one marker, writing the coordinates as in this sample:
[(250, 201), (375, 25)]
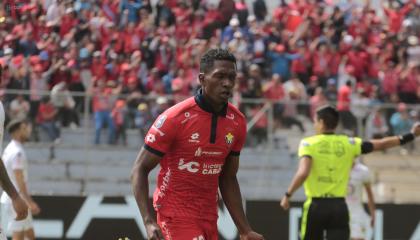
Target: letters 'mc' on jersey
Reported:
[(332, 160), (194, 143)]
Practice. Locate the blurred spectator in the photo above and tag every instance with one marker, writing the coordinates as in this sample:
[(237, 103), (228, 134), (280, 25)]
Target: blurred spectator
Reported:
[(281, 60), (376, 126), (161, 105), (102, 105), (274, 91), (317, 100), (260, 9), (400, 120), (46, 119), (347, 119), (62, 99), (19, 108), (118, 116), (289, 116), (143, 119), (401, 123)]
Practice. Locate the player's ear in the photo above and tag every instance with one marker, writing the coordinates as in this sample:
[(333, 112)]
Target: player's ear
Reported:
[(201, 78)]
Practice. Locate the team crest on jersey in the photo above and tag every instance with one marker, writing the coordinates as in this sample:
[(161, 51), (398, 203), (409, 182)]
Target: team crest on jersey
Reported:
[(229, 138), (160, 121)]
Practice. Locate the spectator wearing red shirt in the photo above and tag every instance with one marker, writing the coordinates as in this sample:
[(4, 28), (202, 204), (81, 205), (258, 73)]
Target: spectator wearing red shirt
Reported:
[(197, 158), (118, 116), (347, 119), (46, 119), (102, 106), (397, 15), (274, 91)]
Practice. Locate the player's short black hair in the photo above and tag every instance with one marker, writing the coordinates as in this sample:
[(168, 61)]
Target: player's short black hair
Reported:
[(15, 124), (207, 60), (329, 115)]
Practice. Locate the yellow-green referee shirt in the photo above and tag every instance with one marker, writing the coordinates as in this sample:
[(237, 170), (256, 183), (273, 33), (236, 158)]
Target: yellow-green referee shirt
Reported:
[(332, 158)]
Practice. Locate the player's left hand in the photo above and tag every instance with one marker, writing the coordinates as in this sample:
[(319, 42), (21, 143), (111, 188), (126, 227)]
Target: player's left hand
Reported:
[(251, 235), (372, 220), (285, 203), (416, 129)]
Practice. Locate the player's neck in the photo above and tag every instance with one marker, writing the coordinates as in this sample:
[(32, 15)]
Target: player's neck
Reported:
[(216, 107), (18, 139)]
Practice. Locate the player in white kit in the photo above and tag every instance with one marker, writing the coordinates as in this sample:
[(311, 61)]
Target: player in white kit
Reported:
[(18, 203), (359, 219), (15, 161)]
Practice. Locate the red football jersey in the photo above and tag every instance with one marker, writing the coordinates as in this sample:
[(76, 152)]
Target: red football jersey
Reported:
[(194, 143)]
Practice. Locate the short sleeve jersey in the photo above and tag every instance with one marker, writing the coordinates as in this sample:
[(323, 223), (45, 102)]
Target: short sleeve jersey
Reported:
[(2, 117), (332, 158), (359, 176), (14, 158), (194, 143)]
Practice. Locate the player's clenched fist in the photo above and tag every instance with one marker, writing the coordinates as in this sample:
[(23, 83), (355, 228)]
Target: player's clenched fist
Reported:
[(154, 232), (251, 236)]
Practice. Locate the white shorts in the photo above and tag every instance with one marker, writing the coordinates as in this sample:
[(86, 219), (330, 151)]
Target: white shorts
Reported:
[(359, 223), (8, 219), (2, 234)]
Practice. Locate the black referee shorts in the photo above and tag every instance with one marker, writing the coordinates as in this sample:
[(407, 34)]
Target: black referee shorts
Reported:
[(329, 216)]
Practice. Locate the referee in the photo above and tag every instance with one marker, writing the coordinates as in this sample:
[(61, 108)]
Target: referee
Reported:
[(326, 160)]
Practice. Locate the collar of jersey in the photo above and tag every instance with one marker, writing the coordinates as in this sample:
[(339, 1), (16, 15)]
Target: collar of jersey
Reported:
[(203, 104)]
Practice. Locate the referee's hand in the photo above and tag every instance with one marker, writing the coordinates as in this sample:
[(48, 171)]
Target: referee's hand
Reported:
[(284, 203)]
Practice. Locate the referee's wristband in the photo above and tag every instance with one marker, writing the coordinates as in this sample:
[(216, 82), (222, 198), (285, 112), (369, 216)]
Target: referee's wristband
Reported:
[(287, 194), (406, 138)]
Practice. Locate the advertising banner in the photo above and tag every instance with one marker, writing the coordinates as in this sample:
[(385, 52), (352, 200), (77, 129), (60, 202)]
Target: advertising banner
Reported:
[(98, 217)]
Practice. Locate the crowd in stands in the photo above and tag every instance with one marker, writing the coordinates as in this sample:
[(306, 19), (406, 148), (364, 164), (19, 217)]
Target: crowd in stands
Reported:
[(123, 53)]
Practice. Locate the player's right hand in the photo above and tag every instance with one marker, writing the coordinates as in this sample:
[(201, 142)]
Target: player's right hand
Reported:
[(154, 232), (251, 236), (20, 207), (285, 203), (35, 209)]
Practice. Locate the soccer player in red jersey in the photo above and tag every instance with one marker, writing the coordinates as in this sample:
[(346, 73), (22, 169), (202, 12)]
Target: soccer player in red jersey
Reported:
[(197, 143)]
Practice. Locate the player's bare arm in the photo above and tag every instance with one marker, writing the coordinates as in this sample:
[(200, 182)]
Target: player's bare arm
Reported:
[(145, 162), (231, 193), (393, 141), (371, 203), (301, 174), (18, 203), (20, 181)]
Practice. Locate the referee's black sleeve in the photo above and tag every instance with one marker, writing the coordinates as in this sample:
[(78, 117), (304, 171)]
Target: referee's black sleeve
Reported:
[(367, 147)]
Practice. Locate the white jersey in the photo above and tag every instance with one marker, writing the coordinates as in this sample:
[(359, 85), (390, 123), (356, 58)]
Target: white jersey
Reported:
[(359, 176), (14, 158)]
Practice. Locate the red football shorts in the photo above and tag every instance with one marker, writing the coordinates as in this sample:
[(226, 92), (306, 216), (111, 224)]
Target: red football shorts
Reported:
[(184, 229)]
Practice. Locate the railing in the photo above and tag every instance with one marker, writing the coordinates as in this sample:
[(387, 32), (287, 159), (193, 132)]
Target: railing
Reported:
[(263, 116)]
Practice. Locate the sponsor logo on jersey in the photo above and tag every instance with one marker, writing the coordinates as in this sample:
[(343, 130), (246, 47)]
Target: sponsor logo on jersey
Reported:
[(194, 138), (200, 152), (159, 123), (230, 116), (150, 138), (189, 166), (229, 138)]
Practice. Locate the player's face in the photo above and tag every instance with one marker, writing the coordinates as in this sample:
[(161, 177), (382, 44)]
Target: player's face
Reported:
[(219, 82), (25, 131)]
